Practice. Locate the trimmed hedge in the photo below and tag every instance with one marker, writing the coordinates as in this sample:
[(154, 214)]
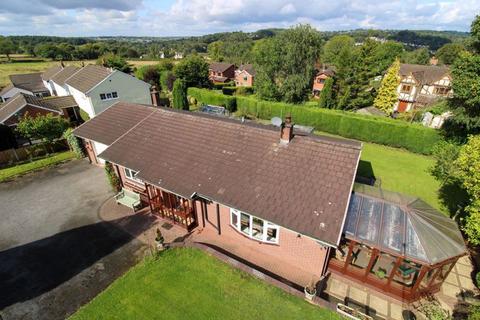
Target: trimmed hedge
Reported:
[(209, 97), (386, 131)]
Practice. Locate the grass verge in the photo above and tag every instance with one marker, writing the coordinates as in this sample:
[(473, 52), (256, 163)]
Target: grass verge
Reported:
[(186, 283), (8, 173)]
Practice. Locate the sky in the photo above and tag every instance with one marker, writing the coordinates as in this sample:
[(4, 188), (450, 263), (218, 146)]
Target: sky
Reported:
[(198, 17)]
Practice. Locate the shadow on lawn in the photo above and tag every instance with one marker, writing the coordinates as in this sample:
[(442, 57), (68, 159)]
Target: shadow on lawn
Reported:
[(454, 198), (30, 270), (365, 173)]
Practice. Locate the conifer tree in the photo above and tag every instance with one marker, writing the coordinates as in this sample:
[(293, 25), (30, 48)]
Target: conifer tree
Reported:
[(180, 100), (326, 95), (387, 94)]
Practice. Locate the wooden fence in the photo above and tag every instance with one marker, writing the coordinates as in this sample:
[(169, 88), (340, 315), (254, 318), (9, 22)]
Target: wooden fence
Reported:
[(28, 153)]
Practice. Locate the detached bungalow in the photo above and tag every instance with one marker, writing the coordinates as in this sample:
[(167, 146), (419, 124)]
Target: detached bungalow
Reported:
[(30, 83), (282, 200), (221, 72), (15, 108)]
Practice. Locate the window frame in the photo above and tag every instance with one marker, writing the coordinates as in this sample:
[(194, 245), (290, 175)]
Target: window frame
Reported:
[(113, 95), (409, 86), (130, 174), (266, 226)]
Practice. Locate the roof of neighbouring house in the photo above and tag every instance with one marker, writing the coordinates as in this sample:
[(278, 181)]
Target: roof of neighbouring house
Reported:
[(21, 100), (219, 79), (64, 74), (29, 81), (6, 89), (424, 74), (403, 225), (113, 123), (248, 68), (88, 77), (304, 186), (371, 111), (50, 72), (220, 66)]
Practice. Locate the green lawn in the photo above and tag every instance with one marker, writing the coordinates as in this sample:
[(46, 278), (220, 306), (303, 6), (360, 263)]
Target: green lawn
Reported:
[(401, 171), (187, 283), (20, 169)]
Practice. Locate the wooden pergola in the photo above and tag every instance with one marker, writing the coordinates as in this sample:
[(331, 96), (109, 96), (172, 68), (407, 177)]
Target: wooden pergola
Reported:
[(397, 244)]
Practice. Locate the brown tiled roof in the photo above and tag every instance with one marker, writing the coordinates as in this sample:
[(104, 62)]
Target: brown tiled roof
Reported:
[(112, 123), (219, 79), (19, 101), (303, 186), (88, 77), (248, 68), (50, 72), (30, 81), (424, 74), (220, 66), (60, 102), (63, 75)]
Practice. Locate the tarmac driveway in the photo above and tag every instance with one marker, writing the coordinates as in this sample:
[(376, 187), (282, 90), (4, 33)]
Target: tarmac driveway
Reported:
[(56, 254)]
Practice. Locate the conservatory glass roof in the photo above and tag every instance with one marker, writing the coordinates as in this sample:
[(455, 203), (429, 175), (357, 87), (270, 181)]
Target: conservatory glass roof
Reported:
[(401, 225)]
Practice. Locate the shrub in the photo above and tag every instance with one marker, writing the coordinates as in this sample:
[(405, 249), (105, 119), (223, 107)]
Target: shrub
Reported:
[(112, 177), (243, 91), (413, 137), (477, 279), (210, 97), (229, 91), (75, 144)]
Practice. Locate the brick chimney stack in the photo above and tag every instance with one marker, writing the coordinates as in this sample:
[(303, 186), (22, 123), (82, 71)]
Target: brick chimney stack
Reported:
[(155, 96), (286, 133)]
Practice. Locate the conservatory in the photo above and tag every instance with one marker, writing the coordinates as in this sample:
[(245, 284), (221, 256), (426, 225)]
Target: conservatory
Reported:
[(397, 244)]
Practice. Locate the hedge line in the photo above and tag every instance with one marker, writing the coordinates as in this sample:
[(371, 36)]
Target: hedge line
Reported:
[(213, 98), (394, 133)]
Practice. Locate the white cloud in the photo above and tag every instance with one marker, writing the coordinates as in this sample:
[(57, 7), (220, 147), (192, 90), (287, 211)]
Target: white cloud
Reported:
[(193, 17)]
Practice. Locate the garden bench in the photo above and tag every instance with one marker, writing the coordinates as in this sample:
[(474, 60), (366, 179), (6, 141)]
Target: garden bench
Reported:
[(128, 198)]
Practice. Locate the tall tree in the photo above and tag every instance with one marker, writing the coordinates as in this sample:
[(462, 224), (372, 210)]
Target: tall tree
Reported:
[(326, 95), (47, 128), (335, 46), (7, 47), (387, 94), (285, 64), (180, 100), (111, 60), (475, 32), (448, 53), (418, 56), (193, 70)]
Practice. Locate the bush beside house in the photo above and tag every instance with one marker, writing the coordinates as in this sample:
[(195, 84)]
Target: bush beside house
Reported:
[(413, 137)]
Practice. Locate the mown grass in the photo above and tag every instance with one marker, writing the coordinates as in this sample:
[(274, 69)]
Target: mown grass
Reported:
[(11, 172), (187, 283)]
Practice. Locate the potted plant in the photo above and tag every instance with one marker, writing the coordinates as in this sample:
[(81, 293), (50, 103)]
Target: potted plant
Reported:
[(159, 240), (310, 290), (381, 273)]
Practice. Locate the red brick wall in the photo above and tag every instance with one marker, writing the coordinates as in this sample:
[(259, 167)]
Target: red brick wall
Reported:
[(296, 258), (239, 79)]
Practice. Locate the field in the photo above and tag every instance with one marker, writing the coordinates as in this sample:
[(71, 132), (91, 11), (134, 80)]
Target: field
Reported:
[(189, 284)]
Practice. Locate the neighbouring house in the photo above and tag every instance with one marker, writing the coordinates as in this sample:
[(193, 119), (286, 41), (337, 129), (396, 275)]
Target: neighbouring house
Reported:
[(221, 72), (282, 201), (95, 88), (319, 81), (245, 76), (30, 83), (15, 108), (57, 81), (48, 74), (178, 55), (422, 85)]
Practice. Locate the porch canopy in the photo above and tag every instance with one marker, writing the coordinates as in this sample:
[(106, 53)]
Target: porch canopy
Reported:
[(402, 225)]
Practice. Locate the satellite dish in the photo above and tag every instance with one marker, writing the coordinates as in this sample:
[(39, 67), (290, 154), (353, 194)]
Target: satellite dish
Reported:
[(276, 121)]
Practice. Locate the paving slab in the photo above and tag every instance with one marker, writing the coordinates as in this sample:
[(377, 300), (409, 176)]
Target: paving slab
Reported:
[(358, 295), (396, 311), (380, 305)]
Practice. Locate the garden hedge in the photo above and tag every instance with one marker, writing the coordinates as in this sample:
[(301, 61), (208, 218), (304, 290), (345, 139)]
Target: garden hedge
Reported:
[(213, 98), (386, 131)]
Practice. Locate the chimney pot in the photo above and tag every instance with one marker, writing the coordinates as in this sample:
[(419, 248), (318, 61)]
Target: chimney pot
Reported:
[(286, 132), (155, 96)]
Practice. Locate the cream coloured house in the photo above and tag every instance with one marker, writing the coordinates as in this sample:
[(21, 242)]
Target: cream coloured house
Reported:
[(422, 85)]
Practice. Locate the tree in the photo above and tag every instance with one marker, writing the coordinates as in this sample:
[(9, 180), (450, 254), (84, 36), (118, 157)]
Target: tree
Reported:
[(326, 95), (335, 46), (285, 64), (448, 53), (445, 154), (418, 56), (110, 60), (387, 94), (7, 47), (215, 50), (180, 100), (468, 164), (475, 32), (193, 70), (45, 127), (465, 102), (167, 78), (151, 75)]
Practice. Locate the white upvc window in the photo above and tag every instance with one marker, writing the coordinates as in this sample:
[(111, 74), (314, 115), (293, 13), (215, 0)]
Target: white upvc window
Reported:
[(253, 227), (109, 95), (130, 174)]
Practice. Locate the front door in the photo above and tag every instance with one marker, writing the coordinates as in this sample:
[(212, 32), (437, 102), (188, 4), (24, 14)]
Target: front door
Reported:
[(402, 106)]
